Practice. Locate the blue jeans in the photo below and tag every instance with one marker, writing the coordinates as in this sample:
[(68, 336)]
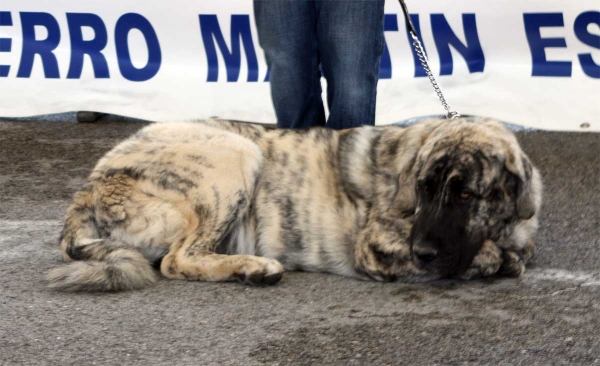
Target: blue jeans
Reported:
[(340, 39)]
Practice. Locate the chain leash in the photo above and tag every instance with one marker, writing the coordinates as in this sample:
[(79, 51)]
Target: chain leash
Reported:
[(450, 114)]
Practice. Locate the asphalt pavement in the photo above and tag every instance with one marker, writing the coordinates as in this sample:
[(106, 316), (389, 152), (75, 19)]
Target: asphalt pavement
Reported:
[(549, 316)]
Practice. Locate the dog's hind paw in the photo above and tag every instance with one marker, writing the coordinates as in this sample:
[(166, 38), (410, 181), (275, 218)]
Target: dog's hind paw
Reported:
[(261, 272)]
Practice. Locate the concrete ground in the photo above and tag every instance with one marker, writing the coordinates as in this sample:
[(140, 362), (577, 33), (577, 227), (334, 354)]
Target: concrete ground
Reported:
[(550, 316)]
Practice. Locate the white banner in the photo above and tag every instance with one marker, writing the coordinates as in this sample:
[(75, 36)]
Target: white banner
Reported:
[(534, 63)]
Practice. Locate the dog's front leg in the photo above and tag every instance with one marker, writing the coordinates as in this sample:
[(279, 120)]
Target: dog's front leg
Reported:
[(491, 260)]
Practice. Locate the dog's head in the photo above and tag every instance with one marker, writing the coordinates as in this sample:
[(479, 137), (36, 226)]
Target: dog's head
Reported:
[(472, 183)]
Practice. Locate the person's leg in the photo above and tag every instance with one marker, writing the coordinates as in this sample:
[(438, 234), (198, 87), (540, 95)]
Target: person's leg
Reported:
[(287, 33), (350, 34)]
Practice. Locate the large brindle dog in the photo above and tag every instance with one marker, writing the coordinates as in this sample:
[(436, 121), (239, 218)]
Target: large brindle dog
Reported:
[(221, 201)]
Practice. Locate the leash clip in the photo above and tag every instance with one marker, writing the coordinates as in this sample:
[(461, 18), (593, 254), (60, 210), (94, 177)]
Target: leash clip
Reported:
[(452, 115)]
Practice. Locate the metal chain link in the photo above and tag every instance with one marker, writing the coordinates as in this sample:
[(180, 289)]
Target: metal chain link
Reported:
[(451, 114), (438, 89)]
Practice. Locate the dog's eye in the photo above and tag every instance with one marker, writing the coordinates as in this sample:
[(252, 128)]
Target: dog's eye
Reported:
[(427, 186), (465, 196)]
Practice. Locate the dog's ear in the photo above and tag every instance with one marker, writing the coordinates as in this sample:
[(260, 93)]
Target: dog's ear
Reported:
[(519, 165), (405, 199), (417, 146)]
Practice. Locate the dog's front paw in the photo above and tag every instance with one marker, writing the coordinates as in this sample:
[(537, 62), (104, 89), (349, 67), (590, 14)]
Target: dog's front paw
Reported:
[(486, 263), (514, 260), (512, 265)]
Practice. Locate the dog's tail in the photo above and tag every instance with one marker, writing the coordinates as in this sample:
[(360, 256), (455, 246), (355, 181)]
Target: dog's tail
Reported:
[(99, 264)]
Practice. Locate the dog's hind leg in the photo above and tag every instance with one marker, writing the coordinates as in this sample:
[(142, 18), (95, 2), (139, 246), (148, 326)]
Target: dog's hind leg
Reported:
[(220, 205), (193, 258)]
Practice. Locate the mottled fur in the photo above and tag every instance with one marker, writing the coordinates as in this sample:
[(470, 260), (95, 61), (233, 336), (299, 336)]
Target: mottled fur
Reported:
[(224, 200)]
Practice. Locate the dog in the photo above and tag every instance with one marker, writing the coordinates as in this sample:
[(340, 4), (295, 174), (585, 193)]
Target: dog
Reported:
[(220, 200)]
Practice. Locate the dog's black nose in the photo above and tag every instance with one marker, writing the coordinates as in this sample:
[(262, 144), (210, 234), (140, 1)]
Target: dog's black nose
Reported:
[(424, 254)]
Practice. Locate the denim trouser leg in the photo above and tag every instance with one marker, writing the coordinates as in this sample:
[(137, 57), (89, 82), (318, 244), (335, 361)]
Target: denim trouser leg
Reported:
[(287, 33), (351, 42)]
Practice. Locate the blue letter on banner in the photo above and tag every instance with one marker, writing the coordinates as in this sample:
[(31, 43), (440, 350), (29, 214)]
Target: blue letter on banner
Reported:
[(590, 68), (537, 44), (44, 48), (444, 37), (92, 48), (390, 23), (5, 43), (126, 23), (240, 28)]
